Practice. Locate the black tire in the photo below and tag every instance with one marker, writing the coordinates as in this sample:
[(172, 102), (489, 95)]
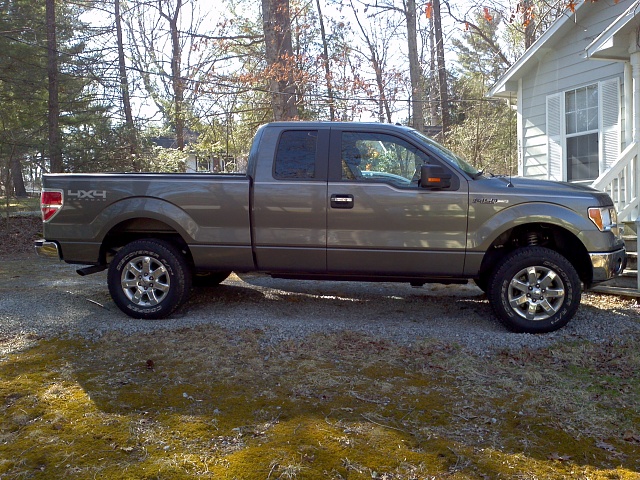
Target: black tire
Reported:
[(482, 282), (149, 279), (210, 279), (534, 290)]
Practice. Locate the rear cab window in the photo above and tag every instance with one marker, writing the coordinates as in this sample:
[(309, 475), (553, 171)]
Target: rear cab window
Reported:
[(296, 155)]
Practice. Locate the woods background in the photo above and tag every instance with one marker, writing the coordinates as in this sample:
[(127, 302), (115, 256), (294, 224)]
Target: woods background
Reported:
[(143, 85)]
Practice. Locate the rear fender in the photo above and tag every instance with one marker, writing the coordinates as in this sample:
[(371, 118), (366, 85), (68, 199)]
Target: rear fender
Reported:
[(144, 207)]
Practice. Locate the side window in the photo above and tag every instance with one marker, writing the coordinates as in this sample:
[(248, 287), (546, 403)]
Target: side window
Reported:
[(380, 157), (296, 155)]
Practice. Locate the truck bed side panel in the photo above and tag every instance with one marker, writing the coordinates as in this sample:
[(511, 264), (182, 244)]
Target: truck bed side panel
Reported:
[(210, 212)]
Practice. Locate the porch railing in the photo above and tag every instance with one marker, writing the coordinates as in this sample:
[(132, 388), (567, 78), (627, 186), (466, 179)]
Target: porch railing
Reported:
[(622, 183)]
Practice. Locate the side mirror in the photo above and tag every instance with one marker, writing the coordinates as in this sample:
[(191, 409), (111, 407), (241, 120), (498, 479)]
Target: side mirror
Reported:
[(434, 177)]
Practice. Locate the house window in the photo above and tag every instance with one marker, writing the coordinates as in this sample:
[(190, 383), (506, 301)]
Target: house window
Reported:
[(583, 131), (581, 123)]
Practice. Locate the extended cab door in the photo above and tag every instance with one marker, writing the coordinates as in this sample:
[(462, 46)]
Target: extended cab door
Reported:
[(379, 221), (289, 204)]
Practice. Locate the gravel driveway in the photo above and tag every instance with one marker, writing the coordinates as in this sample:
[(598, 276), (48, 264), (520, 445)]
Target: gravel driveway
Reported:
[(41, 298)]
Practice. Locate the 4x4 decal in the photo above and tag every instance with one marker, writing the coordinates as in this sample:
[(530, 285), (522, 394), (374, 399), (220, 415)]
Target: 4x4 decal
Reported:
[(100, 195)]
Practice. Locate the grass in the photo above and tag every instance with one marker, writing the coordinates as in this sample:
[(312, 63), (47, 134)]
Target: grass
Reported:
[(205, 403), (14, 205)]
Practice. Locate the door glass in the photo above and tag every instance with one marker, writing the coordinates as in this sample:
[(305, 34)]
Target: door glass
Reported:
[(380, 157)]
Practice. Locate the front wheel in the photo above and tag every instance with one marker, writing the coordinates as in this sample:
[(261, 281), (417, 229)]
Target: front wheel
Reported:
[(149, 279), (534, 290)]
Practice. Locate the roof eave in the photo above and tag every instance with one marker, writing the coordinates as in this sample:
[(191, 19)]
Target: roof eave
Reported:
[(613, 43), (535, 52)]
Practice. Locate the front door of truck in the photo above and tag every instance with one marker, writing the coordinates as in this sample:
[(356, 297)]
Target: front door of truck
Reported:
[(379, 221)]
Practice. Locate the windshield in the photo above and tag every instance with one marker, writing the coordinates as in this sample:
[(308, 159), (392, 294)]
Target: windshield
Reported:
[(448, 155)]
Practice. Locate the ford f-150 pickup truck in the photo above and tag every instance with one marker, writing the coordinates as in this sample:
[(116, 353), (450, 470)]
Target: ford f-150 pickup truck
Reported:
[(338, 201)]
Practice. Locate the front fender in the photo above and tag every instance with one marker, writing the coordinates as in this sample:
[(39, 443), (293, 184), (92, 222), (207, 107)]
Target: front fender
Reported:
[(482, 235)]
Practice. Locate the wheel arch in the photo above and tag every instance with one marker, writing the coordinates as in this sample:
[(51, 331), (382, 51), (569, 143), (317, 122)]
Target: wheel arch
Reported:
[(548, 235), (140, 228), (141, 218)]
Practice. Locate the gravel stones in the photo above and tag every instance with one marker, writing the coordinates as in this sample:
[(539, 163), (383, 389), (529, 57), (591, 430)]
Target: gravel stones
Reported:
[(40, 298)]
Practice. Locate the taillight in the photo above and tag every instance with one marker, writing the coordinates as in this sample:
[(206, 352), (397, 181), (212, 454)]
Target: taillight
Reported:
[(50, 203)]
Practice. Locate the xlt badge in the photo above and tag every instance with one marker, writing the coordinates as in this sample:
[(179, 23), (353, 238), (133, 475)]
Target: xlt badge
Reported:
[(489, 201)]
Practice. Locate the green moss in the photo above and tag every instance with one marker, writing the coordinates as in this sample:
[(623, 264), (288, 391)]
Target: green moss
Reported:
[(337, 407)]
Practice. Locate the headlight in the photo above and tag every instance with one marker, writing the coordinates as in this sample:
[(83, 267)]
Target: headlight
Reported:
[(605, 218)]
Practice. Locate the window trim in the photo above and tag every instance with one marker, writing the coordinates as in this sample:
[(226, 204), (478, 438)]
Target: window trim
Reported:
[(608, 131), (321, 160)]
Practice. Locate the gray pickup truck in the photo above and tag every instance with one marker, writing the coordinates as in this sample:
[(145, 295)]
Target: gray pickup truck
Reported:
[(338, 201)]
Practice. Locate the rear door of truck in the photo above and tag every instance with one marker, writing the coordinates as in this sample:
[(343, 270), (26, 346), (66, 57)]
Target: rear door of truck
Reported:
[(289, 204), (379, 221)]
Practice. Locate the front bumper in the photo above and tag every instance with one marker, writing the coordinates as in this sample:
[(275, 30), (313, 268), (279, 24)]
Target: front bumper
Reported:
[(47, 249), (608, 265)]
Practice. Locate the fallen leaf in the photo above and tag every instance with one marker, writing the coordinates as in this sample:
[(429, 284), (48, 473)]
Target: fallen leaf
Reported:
[(559, 458), (605, 446)]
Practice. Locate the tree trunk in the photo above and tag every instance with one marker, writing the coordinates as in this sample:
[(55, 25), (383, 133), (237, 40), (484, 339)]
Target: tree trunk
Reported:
[(17, 178), (383, 103), (433, 69), (176, 66), (124, 82), (178, 85), (327, 66), (415, 72), (529, 23), (55, 150), (276, 19), (442, 71)]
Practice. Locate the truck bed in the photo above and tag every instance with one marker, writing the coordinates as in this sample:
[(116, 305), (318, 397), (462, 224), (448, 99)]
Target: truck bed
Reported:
[(209, 211)]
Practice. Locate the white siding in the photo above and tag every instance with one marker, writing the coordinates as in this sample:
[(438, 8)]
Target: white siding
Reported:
[(562, 68)]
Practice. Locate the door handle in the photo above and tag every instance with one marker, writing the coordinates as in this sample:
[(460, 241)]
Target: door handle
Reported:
[(341, 201)]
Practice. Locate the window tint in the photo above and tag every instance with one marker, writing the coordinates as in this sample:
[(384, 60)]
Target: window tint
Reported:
[(380, 157), (296, 154)]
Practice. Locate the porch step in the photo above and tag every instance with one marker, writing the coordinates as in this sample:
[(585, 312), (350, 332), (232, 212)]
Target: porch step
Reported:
[(631, 242), (620, 291)]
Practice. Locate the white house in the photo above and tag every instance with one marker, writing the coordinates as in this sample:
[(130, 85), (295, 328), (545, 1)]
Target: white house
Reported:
[(577, 91)]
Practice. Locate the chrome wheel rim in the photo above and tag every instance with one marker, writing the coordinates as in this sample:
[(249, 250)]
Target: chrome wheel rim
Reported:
[(145, 281), (536, 293)]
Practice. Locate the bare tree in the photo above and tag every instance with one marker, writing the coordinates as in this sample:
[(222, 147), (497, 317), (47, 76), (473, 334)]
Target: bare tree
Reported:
[(124, 81), (442, 70), (377, 37), (415, 71), (276, 19), (327, 64), (165, 42), (55, 151)]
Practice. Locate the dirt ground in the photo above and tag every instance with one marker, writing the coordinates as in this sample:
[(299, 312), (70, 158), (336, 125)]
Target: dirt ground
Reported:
[(265, 378), (17, 234)]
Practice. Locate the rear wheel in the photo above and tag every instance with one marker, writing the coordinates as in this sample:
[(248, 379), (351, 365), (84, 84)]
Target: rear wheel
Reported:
[(534, 290), (149, 279)]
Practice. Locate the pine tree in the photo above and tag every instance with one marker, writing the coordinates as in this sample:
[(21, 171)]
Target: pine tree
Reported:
[(485, 133)]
